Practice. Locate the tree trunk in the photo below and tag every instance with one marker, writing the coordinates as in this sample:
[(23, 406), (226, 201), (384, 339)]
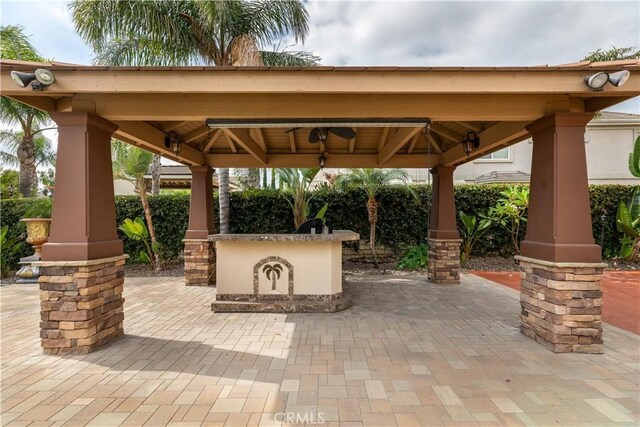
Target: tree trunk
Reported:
[(155, 174), (152, 230), (273, 178), (27, 159), (264, 178), (635, 254), (372, 208), (223, 199)]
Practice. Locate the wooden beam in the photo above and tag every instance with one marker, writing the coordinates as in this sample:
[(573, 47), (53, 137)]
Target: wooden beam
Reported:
[(212, 140), (242, 138), (292, 141), (414, 141), (198, 107), (232, 146), (284, 160), (172, 125), (397, 142), (196, 133), (433, 140), (470, 126), (504, 133), (383, 139), (40, 102), (352, 142), (152, 138), (598, 104), (260, 139), (72, 80), (446, 132), (64, 104)]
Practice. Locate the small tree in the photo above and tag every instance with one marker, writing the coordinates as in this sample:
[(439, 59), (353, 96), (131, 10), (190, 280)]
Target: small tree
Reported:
[(9, 184), (471, 232), (511, 212), (371, 181), (132, 164), (297, 182)]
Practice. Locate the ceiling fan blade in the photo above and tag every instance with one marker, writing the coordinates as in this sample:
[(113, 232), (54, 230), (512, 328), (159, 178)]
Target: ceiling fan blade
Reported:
[(346, 133), (314, 135), (291, 130)]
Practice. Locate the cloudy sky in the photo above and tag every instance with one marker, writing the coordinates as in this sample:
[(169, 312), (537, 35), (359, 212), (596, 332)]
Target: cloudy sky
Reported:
[(407, 32)]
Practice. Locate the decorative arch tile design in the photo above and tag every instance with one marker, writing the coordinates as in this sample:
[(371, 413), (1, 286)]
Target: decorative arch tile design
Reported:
[(278, 260)]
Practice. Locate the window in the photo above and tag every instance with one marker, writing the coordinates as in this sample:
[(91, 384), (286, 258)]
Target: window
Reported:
[(503, 155)]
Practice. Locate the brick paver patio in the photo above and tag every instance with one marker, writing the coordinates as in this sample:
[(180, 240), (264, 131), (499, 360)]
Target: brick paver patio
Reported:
[(408, 353)]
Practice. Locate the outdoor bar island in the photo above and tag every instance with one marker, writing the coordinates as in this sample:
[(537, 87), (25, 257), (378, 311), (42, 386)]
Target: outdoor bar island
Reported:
[(280, 272)]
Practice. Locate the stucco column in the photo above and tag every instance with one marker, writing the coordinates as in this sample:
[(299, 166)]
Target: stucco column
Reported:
[(444, 238), (83, 223), (81, 304), (199, 252), (561, 291)]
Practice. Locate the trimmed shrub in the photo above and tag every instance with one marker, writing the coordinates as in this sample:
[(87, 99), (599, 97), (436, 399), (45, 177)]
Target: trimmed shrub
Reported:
[(402, 215)]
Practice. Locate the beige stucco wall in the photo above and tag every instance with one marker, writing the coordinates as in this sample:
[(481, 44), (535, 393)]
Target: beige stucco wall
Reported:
[(123, 188), (317, 266)]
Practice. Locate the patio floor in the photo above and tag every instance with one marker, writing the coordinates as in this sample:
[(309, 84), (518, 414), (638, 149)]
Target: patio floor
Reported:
[(408, 353)]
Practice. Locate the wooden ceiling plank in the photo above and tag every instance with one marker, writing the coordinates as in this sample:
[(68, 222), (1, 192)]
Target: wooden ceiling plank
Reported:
[(241, 137), (401, 137), (414, 141), (196, 133), (446, 132), (469, 126), (212, 140), (172, 125)]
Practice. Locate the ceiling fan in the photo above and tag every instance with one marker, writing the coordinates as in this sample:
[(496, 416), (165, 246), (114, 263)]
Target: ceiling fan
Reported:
[(320, 134)]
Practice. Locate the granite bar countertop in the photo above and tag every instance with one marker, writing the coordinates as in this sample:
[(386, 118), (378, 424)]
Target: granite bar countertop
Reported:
[(336, 236)]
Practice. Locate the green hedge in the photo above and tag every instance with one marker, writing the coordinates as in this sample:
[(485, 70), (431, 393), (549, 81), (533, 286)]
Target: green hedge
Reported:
[(402, 216)]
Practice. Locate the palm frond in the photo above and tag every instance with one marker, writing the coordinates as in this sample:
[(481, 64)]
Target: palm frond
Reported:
[(14, 44), (290, 58), (271, 20)]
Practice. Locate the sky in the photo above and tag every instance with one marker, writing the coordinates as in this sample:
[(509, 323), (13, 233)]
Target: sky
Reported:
[(427, 33)]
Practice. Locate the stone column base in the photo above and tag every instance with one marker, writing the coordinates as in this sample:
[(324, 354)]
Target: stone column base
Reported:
[(81, 304), (444, 261), (199, 262), (562, 305)]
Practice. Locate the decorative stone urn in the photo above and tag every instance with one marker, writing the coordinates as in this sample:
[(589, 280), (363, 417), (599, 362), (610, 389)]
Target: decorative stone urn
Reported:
[(37, 235)]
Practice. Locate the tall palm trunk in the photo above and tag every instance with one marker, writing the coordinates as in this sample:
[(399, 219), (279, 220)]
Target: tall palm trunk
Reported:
[(372, 208), (223, 198), (27, 158), (155, 174), (150, 227)]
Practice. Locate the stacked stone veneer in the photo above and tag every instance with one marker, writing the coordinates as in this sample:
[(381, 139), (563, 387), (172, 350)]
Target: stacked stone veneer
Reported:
[(199, 262), (444, 261), (81, 304), (562, 305)]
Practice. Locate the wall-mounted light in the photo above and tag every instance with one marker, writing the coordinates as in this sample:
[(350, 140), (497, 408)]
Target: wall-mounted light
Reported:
[(470, 142), (39, 79), (597, 81), (173, 141)]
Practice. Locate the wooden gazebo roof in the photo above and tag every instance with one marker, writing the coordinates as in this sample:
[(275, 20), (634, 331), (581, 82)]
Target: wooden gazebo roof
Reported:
[(149, 102)]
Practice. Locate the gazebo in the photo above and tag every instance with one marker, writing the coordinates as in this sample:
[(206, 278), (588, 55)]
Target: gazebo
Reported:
[(418, 117)]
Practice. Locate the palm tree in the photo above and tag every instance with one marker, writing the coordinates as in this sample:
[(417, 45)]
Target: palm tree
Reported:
[(371, 181), (10, 143), (14, 44), (131, 164), (273, 273), (297, 183), (181, 32)]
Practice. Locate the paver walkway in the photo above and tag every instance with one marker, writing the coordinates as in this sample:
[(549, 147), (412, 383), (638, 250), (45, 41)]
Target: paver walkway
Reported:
[(408, 353), (621, 295)]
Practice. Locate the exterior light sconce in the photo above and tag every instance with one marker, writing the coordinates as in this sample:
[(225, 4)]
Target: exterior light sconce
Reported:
[(596, 82), (470, 142), (173, 141), (39, 79)]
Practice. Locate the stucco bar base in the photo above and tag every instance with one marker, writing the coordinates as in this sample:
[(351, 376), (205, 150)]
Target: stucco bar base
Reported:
[(562, 305), (199, 262), (444, 261), (282, 273), (81, 304)]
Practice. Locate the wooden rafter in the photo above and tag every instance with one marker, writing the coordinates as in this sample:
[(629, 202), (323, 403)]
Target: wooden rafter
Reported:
[(352, 142), (470, 126), (172, 125), (446, 132), (433, 140), (383, 138), (232, 146), (212, 140), (242, 138), (401, 137), (292, 141), (413, 143), (196, 133), (260, 139)]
